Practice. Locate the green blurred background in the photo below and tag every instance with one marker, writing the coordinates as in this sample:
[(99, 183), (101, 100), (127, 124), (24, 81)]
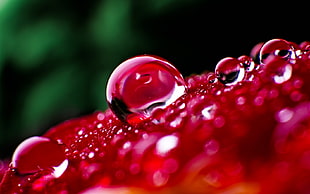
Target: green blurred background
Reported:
[(56, 55)]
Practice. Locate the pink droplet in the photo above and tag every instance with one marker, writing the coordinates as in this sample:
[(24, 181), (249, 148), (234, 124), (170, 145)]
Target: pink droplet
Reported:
[(277, 48), (278, 70), (247, 62), (230, 71), (39, 153), (142, 84)]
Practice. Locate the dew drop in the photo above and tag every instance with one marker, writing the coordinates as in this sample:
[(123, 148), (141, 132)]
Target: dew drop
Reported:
[(219, 122), (278, 70), (229, 71), (284, 115), (142, 84), (39, 153), (208, 112), (304, 47), (277, 48), (211, 147), (166, 144), (91, 154), (160, 178), (176, 122), (247, 62)]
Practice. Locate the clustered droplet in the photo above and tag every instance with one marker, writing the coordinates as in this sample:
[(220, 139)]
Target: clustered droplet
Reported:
[(146, 83)]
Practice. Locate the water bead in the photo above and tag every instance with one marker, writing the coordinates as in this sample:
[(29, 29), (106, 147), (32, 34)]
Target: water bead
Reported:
[(305, 46), (247, 62), (39, 153), (277, 48), (304, 50), (142, 84), (278, 70), (255, 52), (229, 71)]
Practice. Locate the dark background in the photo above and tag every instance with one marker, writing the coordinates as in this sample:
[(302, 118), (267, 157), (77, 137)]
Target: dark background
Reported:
[(56, 55)]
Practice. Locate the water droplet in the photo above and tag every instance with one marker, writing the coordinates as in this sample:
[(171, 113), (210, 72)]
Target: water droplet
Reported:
[(229, 71), (91, 154), (160, 178), (219, 121), (255, 52), (278, 70), (176, 122), (277, 48), (166, 144), (304, 47), (240, 100), (142, 84), (247, 62), (284, 115), (39, 153), (208, 112), (211, 147)]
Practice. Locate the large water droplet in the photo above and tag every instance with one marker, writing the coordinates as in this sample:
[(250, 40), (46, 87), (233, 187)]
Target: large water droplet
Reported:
[(39, 153), (142, 84), (230, 71), (277, 48)]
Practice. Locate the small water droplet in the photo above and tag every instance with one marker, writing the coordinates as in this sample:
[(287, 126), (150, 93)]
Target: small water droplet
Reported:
[(255, 52), (230, 71), (219, 121), (278, 70), (211, 147), (240, 100), (99, 125), (91, 154), (142, 84), (208, 112), (247, 62), (100, 116), (160, 178), (80, 132), (277, 48), (284, 115), (258, 100), (166, 144), (304, 49), (39, 153), (176, 122)]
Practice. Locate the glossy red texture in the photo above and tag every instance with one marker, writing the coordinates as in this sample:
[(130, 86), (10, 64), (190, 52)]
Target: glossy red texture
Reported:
[(36, 154), (141, 84), (252, 136)]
